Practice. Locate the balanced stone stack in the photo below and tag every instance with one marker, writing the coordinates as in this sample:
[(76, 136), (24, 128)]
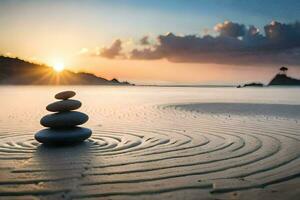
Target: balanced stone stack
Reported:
[(63, 124)]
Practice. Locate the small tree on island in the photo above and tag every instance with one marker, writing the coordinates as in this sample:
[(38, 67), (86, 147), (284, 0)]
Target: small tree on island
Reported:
[(283, 70)]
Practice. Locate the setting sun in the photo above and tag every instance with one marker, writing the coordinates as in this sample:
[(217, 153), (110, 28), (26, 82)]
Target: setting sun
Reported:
[(58, 67), (132, 99)]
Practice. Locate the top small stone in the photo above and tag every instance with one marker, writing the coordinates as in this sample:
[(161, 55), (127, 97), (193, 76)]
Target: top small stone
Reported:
[(65, 95)]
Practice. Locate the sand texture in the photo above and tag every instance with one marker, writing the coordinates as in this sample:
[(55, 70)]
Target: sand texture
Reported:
[(156, 143)]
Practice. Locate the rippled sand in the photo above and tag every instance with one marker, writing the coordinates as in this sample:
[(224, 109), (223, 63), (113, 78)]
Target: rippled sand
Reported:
[(156, 143)]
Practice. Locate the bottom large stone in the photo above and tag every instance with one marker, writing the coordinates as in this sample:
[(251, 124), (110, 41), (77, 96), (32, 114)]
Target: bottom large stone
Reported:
[(63, 136)]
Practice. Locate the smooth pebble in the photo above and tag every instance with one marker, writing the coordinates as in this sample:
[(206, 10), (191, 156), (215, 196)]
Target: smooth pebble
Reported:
[(65, 95), (63, 136), (65, 105), (64, 119)]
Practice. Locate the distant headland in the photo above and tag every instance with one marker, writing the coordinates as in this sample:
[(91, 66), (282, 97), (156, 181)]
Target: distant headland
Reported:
[(14, 71), (280, 79)]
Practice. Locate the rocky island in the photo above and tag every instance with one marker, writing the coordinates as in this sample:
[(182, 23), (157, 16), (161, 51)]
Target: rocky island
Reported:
[(280, 79), (251, 85), (283, 79)]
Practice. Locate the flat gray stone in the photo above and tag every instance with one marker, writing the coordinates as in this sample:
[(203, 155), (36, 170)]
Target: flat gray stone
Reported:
[(64, 119), (65, 105), (65, 95), (63, 136)]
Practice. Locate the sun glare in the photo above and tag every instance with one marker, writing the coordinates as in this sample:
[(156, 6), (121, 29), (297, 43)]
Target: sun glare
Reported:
[(58, 67)]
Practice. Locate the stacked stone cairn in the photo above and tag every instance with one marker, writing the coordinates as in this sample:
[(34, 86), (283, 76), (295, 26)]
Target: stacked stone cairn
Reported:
[(63, 124)]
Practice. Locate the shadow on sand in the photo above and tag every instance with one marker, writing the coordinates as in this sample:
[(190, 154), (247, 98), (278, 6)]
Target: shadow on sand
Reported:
[(63, 162)]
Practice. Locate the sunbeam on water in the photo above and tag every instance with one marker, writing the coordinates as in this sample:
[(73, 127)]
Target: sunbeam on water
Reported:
[(154, 143)]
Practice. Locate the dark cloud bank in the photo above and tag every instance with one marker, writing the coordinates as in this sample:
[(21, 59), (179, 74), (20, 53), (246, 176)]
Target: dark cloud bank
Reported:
[(235, 44)]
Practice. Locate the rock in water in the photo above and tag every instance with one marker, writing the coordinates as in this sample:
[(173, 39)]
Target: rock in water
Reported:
[(65, 95), (63, 136), (62, 106), (64, 119)]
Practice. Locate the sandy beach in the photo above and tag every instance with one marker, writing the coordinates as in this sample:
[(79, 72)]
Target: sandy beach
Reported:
[(150, 100), (156, 143)]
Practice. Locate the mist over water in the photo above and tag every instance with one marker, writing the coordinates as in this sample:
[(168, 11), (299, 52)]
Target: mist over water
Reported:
[(153, 142)]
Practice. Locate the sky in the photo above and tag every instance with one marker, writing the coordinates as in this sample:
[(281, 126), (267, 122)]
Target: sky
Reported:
[(157, 42)]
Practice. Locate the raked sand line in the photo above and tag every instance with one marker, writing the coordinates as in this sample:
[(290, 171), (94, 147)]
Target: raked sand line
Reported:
[(172, 148)]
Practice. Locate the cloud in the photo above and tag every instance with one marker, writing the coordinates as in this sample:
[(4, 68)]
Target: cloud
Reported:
[(83, 51), (231, 29), (146, 54), (283, 36), (144, 40), (236, 44), (113, 51)]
